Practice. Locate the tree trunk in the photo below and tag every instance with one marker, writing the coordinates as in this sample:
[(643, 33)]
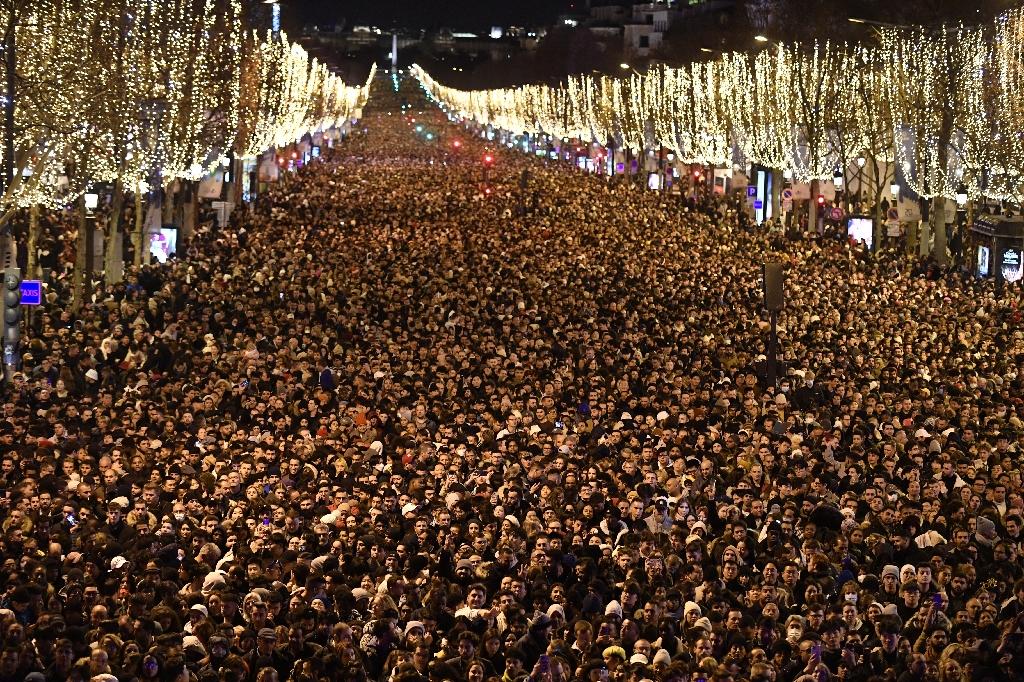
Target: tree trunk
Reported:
[(168, 203), (880, 219), (878, 225), (924, 226), (190, 210), (32, 264), (238, 178), (81, 259), (113, 251), (140, 222), (938, 218), (776, 197), (812, 210)]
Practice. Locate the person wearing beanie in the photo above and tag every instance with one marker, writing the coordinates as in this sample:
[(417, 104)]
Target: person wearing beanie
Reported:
[(661, 659)]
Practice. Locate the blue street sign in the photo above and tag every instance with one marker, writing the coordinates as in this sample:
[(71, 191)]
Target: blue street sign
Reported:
[(758, 205), (751, 191), (31, 292)]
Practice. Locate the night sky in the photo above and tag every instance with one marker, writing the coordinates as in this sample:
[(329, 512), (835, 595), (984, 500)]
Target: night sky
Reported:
[(457, 14)]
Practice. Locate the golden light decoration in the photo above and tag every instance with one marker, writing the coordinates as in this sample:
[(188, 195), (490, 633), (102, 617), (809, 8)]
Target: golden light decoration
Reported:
[(143, 91), (944, 104), (934, 80)]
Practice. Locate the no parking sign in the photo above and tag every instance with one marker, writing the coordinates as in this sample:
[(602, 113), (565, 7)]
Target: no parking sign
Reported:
[(787, 200)]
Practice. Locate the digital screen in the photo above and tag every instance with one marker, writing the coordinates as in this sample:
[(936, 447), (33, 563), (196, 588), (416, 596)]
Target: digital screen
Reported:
[(1011, 266), (861, 230), (164, 243), (983, 261)]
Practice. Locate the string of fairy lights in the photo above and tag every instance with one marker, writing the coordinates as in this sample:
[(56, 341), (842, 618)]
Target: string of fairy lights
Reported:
[(150, 91), (945, 105)]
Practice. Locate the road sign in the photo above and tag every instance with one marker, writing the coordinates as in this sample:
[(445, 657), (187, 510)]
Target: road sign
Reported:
[(751, 191), (837, 213), (31, 292), (893, 214), (787, 205), (787, 195), (758, 205)]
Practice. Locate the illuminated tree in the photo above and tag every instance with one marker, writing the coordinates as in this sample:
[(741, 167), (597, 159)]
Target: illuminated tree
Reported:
[(689, 115), (995, 163), (933, 79), (872, 136), (940, 105)]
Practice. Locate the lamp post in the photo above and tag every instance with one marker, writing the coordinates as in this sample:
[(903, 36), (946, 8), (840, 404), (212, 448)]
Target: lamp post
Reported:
[(774, 302), (275, 16)]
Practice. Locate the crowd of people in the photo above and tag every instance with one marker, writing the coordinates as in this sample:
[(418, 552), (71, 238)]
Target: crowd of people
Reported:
[(400, 423)]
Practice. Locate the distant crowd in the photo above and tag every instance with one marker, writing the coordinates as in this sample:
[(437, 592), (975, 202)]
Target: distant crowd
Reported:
[(401, 422)]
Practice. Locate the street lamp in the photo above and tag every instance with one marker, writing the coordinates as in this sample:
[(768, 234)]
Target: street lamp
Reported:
[(761, 39), (872, 22), (275, 15)]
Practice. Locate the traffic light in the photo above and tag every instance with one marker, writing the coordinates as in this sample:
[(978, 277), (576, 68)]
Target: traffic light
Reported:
[(12, 314), (457, 144), (488, 159), (821, 200)]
